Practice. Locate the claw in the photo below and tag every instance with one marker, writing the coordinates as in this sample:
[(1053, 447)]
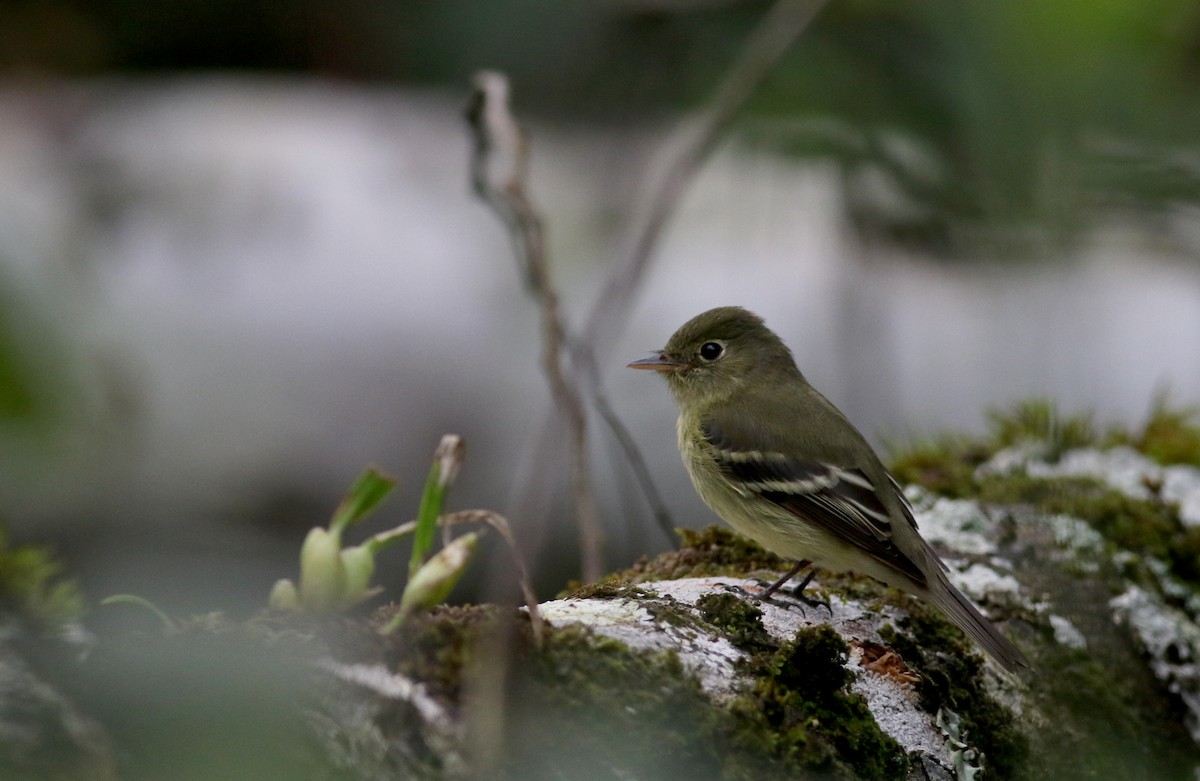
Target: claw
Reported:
[(759, 598), (812, 602), (796, 593)]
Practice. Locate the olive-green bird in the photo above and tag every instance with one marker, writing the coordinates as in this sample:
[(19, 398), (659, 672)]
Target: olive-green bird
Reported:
[(783, 466)]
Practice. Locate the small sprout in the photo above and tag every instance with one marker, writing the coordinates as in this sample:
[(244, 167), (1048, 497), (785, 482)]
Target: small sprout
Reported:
[(434, 581), (358, 565), (333, 578), (284, 596), (449, 456), (32, 581), (322, 574)]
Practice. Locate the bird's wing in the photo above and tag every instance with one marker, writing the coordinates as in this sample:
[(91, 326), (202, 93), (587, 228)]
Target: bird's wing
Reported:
[(842, 500)]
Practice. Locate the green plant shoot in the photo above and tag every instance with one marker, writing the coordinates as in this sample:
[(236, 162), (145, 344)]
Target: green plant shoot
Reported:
[(333, 578), (446, 460), (369, 489), (435, 579)]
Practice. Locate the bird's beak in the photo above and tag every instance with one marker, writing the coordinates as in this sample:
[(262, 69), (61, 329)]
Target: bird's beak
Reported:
[(657, 362)]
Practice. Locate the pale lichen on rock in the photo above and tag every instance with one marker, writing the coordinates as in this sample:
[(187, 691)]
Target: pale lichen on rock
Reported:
[(1171, 639)]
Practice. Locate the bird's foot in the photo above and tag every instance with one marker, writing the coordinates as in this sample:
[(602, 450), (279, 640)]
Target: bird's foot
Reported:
[(760, 597), (797, 593), (814, 602), (769, 595)]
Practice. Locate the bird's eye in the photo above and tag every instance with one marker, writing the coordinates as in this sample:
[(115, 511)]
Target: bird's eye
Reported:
[(711, 351)]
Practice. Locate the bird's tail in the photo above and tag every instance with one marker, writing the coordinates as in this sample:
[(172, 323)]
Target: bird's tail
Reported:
[(967, 617)]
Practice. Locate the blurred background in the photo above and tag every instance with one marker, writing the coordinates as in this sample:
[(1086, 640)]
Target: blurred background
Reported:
[(240, 259)]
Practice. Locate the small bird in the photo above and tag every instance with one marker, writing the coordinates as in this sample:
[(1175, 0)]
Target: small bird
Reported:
[(783, 466)]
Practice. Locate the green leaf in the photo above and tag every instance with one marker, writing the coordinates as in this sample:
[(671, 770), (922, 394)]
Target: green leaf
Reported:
[(427, 515), (434, 581), (371, 488), (446, 460), (32, 580)]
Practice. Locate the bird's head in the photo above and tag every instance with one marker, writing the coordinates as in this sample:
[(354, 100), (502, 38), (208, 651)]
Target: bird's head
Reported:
[(718, 352)]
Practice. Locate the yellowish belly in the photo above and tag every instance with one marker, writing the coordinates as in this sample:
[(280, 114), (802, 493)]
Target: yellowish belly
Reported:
[(772, 527)]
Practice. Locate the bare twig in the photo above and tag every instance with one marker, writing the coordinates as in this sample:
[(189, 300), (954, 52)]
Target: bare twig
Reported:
[(641, 471), (681, 158), (499, 168)]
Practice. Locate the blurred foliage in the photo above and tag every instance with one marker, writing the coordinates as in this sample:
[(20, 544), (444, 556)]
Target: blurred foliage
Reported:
[(26, 373), (32, 583), (1027, 120), (18, 398), (1039, 419), (960, 128), (1171, 434)]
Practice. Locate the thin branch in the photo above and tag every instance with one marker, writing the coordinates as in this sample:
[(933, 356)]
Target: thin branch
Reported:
[(499, 170), (673, 170), (683, 157), (625, 440)]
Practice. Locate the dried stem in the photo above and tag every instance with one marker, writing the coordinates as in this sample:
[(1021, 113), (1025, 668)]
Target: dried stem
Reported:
[(499, 174), (502, 527)]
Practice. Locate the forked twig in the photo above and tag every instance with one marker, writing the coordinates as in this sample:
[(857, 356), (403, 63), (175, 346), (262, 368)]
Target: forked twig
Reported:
[(499, 168)]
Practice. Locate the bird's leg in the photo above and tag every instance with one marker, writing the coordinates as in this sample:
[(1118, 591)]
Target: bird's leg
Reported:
[(793, 572), (796, 593)]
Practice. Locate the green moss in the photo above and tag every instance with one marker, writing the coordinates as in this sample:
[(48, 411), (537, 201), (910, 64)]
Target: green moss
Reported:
[(951, 677), (945, 465), (607, 589), (32, 584), (709, 552), (1040, 420), (583, 705), (436, 647), (1171, 435), (799, 715), (665, 610), (586, 706), (738, 619), (1103, 727)]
